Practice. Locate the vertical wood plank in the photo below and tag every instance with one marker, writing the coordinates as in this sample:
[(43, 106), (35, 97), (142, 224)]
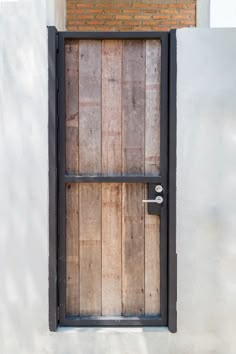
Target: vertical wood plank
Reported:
[(111, 107), (90, 107), (90, 249), (94, 285), (152, 166), (152, 114), (133, 249), (72, 164), (90, 163), (111, 165), (111, 249), (152, 264), (133, 163), (133, 106), (72, 106)]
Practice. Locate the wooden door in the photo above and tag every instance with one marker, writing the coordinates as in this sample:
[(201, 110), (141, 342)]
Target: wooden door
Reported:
[(113, 146)]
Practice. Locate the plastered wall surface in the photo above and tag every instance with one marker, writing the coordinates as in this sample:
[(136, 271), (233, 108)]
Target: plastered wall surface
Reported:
[(56, 14), (206, 189), (203, 13), (206, 220), (223, 13)]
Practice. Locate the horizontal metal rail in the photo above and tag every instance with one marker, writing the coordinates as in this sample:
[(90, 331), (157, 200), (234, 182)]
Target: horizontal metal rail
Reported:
[(114, 35), (111, 179), (114, 321)]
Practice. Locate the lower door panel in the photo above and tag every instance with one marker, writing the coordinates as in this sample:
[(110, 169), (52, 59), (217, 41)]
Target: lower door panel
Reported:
[(112, 251)]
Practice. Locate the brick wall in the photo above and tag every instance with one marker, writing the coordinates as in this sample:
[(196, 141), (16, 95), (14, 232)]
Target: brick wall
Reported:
[(130, 15)]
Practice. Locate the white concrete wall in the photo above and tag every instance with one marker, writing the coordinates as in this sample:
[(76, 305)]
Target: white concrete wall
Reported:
[(206, 189), (203, 13), (223, 13), (216, 13), (206, 194), (56, 14)]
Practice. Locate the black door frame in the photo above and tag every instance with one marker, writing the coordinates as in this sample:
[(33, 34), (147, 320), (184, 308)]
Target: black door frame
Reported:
[(57, 180)]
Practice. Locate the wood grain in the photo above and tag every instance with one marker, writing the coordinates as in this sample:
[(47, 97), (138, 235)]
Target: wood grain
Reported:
[(111, 107), (152, 264), (111, 249), (112, 128), (133, 110), (90, 163), (132, 249), (133, 106), (72, 190), (152, 166), (90, 107), (111, 165), (90, 249), (152, 113)]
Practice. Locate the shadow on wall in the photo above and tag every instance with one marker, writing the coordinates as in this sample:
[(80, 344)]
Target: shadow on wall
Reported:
[(206, 195), (23, 178), (206, 188)]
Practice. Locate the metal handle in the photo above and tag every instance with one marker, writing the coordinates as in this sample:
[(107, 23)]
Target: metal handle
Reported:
[(158, 200)]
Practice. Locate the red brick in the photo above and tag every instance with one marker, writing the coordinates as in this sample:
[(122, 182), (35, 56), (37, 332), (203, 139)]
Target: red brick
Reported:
[(121, 5), (149, 11), (95, 22), (187, 23), (93, 11), (142, 17), (140, 6), (160, 28), (169, 11), (104, 5), (132, 23), (161, 17), (187, 12), (124, 15), (131, 11), (143, 28), (78, 4), (180, 17), (104, 17), (85, 16), (71, 5), (113, 23), (149, 23)]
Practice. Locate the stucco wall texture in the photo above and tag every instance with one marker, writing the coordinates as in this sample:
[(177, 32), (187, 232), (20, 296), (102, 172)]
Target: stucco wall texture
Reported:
[(206, 193)]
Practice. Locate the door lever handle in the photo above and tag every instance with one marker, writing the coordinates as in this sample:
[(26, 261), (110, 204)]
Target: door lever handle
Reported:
[(157, 200)]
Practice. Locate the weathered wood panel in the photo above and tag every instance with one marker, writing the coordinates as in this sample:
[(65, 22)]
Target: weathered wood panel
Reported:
[(72, 164), (132, 249), (90, 107), (133, 107), (111, 249), (90, 249), (152, 264), (152, 166), (111, 107), (111, 165), (112, 128), (90, 163), (152, 114)]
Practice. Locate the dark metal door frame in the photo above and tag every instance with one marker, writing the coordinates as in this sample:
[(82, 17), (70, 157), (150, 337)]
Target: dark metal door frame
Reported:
[(57, 266)]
